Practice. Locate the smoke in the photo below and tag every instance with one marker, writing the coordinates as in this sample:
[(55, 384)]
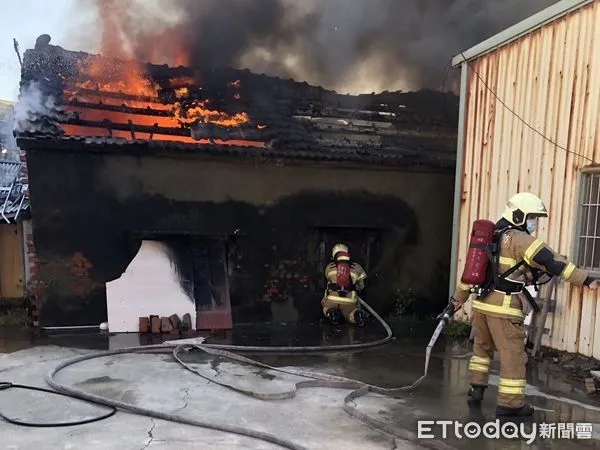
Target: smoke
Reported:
[(347, 45), (33, 106), (8, 145)]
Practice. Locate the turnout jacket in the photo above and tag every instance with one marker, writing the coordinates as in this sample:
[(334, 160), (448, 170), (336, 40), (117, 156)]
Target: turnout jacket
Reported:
[(516, 246)]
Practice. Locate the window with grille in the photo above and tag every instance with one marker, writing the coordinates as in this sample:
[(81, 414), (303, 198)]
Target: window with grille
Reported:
[(588, 245)]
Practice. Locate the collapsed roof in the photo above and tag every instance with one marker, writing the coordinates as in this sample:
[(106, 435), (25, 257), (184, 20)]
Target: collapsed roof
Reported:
[(70, 98), (14, 200)]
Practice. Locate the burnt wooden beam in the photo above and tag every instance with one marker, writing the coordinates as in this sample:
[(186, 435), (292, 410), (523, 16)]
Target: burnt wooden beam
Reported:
[(201, 132), (120, 108)]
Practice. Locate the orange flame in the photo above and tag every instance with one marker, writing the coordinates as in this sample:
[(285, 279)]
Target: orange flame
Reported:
[(182, 92), (133, 83), (118, 83), (198, 111), (101, 76)]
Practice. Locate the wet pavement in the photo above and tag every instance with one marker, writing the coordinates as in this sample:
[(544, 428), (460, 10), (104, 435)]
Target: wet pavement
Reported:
[(440, 397)]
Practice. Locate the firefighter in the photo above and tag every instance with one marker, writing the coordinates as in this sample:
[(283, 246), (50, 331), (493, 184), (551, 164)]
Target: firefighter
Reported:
[(498, 313), (344, 279)]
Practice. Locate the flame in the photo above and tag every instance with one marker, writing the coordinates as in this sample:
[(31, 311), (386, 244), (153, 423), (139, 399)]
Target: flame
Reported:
[(182, 92), (201, 113), (98, 75), (115, 80), (101, 76)]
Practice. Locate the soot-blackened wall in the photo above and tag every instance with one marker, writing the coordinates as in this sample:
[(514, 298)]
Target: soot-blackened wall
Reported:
[(277, 220)]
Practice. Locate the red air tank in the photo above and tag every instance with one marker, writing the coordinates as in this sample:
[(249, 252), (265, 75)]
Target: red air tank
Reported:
[(476, 262), (343, 276)]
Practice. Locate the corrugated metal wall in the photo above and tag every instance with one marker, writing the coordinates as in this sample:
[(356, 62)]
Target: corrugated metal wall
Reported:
[(551, 79)]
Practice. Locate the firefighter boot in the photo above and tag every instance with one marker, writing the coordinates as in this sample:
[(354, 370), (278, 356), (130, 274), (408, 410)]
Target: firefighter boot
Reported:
[(335, 316), (524, 411), (475, 396), (359, 317)]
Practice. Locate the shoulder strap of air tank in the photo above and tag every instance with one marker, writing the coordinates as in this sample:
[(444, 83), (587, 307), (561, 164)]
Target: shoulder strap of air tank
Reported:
[(513, 268), (493, 252)]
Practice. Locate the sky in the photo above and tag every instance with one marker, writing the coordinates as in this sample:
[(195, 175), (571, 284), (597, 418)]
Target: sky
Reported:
[(25, 20)]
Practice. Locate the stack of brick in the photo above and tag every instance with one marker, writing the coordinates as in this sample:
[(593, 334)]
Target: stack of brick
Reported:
[(172, 325)]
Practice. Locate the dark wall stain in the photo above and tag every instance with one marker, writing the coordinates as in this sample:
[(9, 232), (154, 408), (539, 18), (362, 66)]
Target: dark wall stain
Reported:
[(276, 251)]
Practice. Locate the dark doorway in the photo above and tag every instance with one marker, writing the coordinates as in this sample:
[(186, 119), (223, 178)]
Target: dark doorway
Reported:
[(211, 283)]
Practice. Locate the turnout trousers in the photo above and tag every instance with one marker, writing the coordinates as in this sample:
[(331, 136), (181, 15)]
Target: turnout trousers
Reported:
[(506, 336), (348, 308)]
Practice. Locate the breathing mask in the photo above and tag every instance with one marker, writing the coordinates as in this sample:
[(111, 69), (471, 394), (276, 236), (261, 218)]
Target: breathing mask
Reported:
[(532, 225)]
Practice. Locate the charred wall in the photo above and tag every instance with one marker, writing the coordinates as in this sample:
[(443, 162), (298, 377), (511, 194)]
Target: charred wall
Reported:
[(276, 220)]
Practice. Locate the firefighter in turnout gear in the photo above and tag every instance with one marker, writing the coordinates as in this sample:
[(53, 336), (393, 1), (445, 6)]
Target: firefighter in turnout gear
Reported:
[(502, 303), (344, 279)]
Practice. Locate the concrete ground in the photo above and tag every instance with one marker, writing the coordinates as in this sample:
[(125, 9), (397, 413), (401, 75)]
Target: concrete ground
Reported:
[(313, 419)]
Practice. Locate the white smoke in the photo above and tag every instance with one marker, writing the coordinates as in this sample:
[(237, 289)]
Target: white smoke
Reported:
[(33, 105), (8, 145)]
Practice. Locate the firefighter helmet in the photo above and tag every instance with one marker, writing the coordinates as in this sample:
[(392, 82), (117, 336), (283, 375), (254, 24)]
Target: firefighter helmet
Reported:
[(522, 205), (340, 248)]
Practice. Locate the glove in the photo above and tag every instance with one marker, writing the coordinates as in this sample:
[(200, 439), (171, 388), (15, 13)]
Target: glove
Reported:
[(448, 312), (592, 282)]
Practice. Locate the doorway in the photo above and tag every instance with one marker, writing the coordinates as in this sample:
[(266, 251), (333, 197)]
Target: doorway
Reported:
[(210, 283)]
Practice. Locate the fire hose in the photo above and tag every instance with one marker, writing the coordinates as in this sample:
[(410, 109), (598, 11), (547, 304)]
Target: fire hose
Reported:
[(313, 379)]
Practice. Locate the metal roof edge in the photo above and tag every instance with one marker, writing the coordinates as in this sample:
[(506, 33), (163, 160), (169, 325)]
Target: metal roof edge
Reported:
[(520, 29)]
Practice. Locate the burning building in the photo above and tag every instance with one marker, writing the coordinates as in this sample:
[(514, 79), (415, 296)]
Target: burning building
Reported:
[(221, 191)]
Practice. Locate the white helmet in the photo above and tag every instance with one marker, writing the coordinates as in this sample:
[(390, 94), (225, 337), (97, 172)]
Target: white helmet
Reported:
[(522, 205), (340, 248)]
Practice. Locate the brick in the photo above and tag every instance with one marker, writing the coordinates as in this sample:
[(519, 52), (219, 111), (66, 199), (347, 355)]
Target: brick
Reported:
[(144, 324), (165, 325), (175, 321), (155, 324)]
